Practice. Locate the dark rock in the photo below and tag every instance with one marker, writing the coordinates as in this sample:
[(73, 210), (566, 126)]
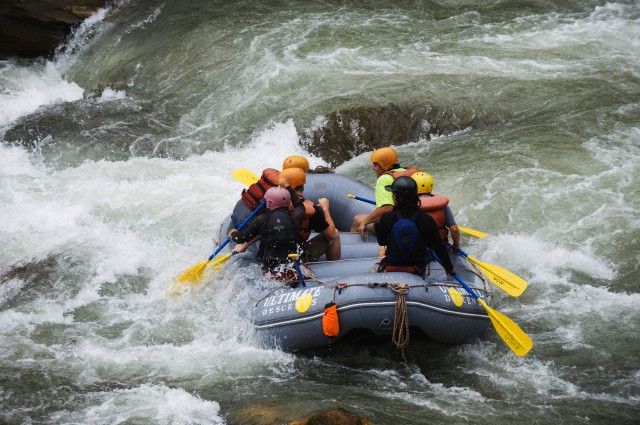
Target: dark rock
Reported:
[(264, 415), (350, 132), (337, 416), (33, 28)]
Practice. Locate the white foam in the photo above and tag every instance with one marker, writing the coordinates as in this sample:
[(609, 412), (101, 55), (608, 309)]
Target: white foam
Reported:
[(26, 88), (156, 403)]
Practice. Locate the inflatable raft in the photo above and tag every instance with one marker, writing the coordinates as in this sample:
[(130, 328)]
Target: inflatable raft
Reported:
[(368, 304)]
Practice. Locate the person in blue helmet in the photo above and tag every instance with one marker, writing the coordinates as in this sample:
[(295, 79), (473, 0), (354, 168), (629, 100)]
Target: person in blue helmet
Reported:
[(407, 232)]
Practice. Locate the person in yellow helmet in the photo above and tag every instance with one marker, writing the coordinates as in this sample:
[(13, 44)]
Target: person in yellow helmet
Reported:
[(385, 165), (311, 217), (437, 206)]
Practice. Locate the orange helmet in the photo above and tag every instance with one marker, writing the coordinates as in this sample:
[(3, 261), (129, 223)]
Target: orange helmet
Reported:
[(295, 176), (296, 161), (385, 157)]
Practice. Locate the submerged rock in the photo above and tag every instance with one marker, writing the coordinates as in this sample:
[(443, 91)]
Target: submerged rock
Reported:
[(262, 415), (349, 132), (33, 28), (337, 416)]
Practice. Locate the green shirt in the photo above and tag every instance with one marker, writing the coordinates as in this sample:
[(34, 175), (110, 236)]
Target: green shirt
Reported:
[(383, 196)]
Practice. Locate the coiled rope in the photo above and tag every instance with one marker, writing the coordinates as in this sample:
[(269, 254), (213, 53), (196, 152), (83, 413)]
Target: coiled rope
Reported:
[(401, 318)]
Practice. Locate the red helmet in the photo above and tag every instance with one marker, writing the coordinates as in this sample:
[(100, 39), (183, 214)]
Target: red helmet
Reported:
[(277, 197)]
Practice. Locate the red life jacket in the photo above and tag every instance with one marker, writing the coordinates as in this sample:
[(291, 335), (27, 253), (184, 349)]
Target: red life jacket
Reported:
[(253, 195), (434, 205), (408, 172)]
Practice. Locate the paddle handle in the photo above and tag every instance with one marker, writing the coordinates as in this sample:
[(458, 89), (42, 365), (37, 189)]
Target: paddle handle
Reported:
[(369, 201), (296, 264), (242, 226)]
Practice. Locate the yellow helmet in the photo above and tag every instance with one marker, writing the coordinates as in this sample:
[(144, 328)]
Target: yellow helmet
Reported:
[(296, 161), (424, 181), (295, 176), (385, 157)]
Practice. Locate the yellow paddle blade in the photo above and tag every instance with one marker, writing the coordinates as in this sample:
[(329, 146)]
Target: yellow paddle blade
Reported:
[(217, 263), (472, 232), (189, 277), (519, 342), (245, 176), (509, 282), (193, 274)]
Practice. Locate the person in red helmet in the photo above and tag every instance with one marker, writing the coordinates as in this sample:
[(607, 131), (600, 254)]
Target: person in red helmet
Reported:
[(278, 235), (385, 165)]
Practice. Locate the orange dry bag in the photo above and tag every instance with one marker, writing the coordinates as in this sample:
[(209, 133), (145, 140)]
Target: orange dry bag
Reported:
[(330, 324)]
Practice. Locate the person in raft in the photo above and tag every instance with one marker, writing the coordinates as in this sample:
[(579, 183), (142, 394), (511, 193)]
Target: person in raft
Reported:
[(308, 217), (387, 169), (252, 196), (278, 235), (407, 232), (437, 206)]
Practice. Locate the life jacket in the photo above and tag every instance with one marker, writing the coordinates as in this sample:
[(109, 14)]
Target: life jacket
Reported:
[(404, 237), (309, 211), (278, 238), (406, 269), (434, 205), (252, 196), (408, 172)]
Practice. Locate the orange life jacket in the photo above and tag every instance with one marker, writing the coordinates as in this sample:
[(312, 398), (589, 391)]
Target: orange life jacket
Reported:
[(408, 172), (434, 205), (253, 195), (309, 211)]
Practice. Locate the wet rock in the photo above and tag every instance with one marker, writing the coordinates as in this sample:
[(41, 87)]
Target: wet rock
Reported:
[(263, 415), (350, 132), (99, 88), (337, 416), (33, 28)]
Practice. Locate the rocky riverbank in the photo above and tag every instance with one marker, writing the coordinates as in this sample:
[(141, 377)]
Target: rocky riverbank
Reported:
[(33, 28)]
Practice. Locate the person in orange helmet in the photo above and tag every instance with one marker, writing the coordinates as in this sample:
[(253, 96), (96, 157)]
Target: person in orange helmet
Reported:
[(253, 195), (311, 217), (385, 165)]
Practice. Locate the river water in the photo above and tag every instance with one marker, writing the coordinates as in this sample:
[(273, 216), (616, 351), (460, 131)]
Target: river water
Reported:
[(105, 200)]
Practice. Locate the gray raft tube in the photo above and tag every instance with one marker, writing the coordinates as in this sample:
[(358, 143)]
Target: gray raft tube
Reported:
[(336, 187)]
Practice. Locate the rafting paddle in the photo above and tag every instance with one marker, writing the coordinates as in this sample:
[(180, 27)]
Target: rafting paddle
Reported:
[(471, 232), (194, 273), (245, 176), (519, 342), (509, 282)]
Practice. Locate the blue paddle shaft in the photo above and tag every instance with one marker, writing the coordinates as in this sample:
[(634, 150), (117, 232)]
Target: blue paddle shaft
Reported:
[(364, 200), (242, 226), (456, 277), (296, 264)]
